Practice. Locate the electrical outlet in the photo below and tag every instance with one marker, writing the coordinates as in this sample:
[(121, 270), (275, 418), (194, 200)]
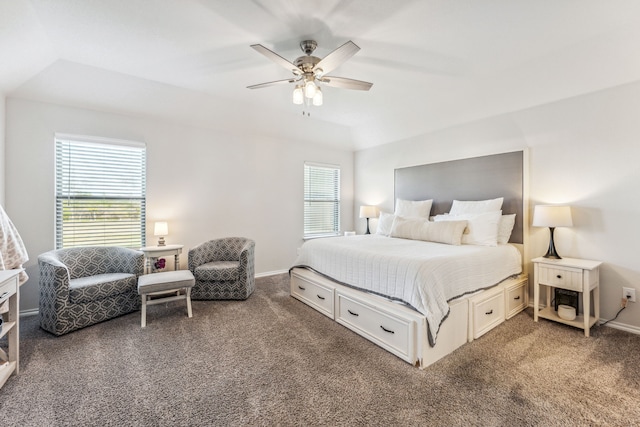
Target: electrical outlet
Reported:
[(629, 293)]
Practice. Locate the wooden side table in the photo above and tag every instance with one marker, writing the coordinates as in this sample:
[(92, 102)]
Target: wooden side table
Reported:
[(152, 253), (573, 274)]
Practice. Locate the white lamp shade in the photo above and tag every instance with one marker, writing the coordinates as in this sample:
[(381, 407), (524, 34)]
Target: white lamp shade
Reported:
[(310, 89), (317, 98), (298, 96), (552, 216), (161, 228), (368, 211)]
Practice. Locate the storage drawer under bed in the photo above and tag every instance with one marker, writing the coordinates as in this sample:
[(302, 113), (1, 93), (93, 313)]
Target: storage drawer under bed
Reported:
[(317, 295), (390, 330)]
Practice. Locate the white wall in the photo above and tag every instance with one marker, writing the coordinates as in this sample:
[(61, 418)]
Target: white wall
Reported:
[(583, 151), (2, 144), (206, 184)]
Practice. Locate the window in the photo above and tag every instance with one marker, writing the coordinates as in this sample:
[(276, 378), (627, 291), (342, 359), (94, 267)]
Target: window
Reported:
[(100, 192), (321, 200)]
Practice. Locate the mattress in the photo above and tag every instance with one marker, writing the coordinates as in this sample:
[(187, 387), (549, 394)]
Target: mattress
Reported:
[(423, 275)]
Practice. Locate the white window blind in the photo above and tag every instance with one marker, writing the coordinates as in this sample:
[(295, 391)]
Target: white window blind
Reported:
[(321, 200), (100, 192)]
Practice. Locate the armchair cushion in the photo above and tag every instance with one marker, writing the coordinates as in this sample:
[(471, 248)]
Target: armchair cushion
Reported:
[(86, 289), (218, 271)]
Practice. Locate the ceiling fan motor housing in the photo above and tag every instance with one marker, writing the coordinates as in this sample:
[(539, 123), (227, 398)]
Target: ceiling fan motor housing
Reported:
[(306, 63), (308, 46)]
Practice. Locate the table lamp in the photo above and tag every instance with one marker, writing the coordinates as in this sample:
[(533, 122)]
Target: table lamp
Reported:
[(552, 217), (368, 212), (161, 229)]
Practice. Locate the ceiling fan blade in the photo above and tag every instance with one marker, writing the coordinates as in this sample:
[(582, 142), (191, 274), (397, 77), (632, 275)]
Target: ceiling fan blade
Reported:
[(277, 82), (276, 58), (344, 83), (335, 58)]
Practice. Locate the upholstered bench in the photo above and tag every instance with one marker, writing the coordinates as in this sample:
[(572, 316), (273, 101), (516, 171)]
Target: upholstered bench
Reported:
[(175, 284)]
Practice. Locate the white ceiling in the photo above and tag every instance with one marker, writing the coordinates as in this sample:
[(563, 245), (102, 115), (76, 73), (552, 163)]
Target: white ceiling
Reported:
[(433, 63)]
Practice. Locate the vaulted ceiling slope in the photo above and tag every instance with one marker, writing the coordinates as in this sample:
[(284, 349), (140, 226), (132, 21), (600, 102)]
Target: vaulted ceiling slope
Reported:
[(433, 63)]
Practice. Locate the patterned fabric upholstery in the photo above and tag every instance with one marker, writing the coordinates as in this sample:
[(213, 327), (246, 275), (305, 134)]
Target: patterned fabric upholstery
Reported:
[(223, 269), (86, 285)]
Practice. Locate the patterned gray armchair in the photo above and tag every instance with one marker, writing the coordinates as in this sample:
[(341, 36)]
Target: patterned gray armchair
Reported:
[(86, 285), (223, 269)]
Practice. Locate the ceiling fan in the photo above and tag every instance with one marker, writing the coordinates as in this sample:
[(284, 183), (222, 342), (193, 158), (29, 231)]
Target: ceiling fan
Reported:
[(308, 71)]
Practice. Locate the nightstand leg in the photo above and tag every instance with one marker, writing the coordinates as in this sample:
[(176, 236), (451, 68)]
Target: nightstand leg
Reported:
[(536, 301), (586, 308), (596, 303)]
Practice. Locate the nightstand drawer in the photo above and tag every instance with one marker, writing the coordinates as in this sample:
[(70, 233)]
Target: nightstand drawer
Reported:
[(8, 288), (560, 277)]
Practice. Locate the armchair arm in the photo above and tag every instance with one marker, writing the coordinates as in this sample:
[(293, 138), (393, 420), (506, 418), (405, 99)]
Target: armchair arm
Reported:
[(54, 277), (247, 259), (124, 260), (201, 254)]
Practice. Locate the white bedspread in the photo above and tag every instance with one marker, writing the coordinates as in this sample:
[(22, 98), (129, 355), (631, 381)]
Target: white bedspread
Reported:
[(422, 274)]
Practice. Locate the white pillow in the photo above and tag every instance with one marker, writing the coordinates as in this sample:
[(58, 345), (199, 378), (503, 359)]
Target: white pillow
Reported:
[(385, 221), (505, 227), (482, 228), (448, 232), (413, 209), (473, 207)]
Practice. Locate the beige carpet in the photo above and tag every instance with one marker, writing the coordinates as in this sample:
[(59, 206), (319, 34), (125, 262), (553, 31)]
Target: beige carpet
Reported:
[(271, 360)]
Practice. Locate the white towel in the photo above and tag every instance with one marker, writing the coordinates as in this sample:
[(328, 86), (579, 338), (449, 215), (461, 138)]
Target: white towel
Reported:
[(12, 251)]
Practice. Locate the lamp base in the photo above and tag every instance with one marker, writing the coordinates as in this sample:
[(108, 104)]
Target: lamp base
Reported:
[(551, 252), (161, 241), (367, 232)]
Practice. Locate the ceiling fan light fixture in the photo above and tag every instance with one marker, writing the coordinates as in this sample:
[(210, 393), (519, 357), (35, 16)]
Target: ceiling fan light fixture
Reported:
[(310, 89), (317, 98), (298, 96)]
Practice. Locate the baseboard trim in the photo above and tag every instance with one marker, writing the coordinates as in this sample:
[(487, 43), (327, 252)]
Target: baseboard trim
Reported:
[(31, 312), (622, 327), (271, 273)]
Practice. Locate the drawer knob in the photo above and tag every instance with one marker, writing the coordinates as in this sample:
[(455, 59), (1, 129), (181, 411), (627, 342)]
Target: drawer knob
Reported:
[(321, 297), (301, 288), (387, 330), (517, 298), (559, 276), (489, 312), (352, 313)]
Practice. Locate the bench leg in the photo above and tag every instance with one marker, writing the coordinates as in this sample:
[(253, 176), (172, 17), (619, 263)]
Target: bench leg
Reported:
[(188, 296), (143, 321)]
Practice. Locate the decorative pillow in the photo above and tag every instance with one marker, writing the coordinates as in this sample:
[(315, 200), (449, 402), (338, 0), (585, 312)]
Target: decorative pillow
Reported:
[(474, 207), (385, 221), (448, 232), (482, 228), (505, 227), (413, 209)]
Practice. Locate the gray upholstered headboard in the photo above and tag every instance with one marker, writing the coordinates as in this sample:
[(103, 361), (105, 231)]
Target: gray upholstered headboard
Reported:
[(477, 178)]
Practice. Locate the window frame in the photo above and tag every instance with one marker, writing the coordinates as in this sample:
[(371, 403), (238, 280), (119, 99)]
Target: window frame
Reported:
[(85, 182), (334, 199)]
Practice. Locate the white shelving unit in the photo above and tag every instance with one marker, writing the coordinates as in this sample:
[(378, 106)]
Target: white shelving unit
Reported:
[(9, 290)]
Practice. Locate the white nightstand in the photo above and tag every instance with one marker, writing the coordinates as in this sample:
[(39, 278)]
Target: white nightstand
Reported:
[(579, 275), (152, 253)]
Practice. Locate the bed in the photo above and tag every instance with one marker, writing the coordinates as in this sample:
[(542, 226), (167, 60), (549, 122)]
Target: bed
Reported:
[(416, 292)]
